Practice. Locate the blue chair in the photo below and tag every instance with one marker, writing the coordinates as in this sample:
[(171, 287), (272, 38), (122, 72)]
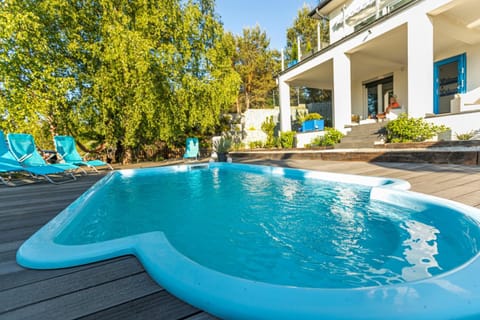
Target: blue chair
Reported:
[(67, 150), (9, 163), (23, 148), (192, 149)]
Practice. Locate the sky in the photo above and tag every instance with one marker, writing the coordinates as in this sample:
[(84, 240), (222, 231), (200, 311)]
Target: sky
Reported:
[(273, 16)]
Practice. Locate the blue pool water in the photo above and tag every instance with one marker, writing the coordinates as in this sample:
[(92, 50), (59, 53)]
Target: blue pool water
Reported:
[(212, 233)]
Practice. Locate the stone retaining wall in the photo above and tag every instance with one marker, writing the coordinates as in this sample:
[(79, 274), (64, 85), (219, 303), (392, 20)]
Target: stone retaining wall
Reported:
[(465, 157)]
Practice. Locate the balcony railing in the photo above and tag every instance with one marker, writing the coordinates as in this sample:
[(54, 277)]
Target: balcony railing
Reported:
[(379, 9), (357, 17)]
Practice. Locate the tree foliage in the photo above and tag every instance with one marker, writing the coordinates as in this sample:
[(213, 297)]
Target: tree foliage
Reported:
[(127, 73), (257, 65), (269, 126)]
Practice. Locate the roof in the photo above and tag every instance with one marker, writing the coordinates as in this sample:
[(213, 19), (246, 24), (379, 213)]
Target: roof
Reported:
[(316, 12)]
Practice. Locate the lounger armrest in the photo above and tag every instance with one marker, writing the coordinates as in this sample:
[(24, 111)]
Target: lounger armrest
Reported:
[(24, 157), (62, 156)]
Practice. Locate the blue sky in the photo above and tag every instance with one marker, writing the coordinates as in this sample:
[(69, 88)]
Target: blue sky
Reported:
[(273, 16)]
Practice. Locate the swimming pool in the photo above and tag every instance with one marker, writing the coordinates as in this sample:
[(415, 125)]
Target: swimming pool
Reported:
[(244, 242)]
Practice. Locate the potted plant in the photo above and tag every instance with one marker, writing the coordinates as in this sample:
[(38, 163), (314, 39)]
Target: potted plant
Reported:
[(222, 146), (313, 122)]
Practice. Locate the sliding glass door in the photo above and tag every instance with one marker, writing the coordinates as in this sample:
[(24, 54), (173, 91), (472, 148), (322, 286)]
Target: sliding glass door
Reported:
[(377, 93)]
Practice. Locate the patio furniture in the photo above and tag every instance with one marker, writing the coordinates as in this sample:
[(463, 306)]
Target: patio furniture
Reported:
[(23, 148), (192, 149), (66, 149), (9, 163)]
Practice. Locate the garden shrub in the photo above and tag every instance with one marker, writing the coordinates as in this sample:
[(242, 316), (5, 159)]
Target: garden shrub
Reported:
[(268, 126), (465, 136), (287, 139), (238, 145), (405, 129), (332, 136), (310, 116), (223, 145), (256, 144)]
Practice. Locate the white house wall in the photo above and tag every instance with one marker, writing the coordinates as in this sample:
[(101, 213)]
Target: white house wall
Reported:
[(473, 67), (254, 118), (420, 65), (458, 123), (416, 25), (358, 96), (336, 19)]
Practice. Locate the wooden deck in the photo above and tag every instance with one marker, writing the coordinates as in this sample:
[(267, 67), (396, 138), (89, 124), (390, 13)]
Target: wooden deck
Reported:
[(120, 288)]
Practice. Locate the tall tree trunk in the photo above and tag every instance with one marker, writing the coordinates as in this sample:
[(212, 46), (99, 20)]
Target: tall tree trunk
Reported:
[(239, 107), (119, 151), (128, 156), (247, 101)]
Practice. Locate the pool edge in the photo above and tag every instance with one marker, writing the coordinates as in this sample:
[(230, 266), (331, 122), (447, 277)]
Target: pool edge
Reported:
[(282, 307)]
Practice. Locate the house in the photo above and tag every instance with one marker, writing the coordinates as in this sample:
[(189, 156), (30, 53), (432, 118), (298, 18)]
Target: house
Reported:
[(424, 52)]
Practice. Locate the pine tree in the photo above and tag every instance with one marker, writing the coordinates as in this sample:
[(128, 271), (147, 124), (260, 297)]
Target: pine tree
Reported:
[(257, 64)]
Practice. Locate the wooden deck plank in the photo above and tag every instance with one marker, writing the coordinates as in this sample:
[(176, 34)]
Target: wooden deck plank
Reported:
[(7, 255), (11, 245), (159, 305), (456, 191), (19, 276), (18, 233), (201, 316), (7, 268), (90, 300), (32, 206), (471, 199), (15, 222), (18, 297), (447, 180)]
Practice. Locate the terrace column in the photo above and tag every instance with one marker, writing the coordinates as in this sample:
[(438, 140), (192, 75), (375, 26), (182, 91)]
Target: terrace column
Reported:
[(420, 66), (342, 91), (285, 112)]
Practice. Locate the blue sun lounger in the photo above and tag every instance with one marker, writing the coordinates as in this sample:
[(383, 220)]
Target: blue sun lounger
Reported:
[(24, 152), (192, 148), (66, 149), (8, 164)]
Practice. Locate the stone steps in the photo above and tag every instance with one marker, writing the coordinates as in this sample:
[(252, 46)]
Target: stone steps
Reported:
[(362, 136)]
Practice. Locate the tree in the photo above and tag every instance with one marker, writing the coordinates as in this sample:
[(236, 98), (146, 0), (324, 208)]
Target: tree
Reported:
[(305, 29), (257, 65), (127, 73), (37, 75), (208, 81)]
